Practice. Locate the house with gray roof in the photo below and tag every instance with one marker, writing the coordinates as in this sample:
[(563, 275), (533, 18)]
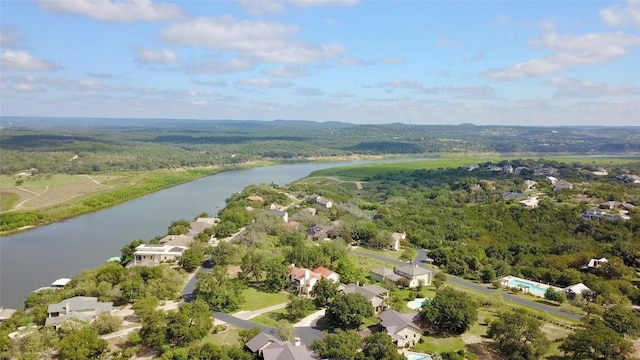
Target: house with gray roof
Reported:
[(82, 308), (403, 328), (376, 295), (414, 274), (268, 347)]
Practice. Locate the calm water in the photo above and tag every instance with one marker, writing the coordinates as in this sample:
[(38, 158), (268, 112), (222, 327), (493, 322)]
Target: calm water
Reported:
[(36, 258)]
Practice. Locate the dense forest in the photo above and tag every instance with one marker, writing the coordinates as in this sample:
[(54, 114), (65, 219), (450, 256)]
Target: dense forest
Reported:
[(87, 146)]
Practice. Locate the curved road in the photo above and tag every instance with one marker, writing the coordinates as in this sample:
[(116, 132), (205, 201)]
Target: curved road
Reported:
[(420, 260)]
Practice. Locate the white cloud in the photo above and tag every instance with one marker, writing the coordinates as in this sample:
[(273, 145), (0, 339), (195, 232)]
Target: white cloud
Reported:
[(259, 40), (620, 15), (393, 61), (259, 7), (286, 72), (261, 82), (21, 61), (570, 87), (221, 67), (32, 83), (314, 3), (115, 11), (570, 50), (213, 83), (401, 84), (149, 56), (354, 62)]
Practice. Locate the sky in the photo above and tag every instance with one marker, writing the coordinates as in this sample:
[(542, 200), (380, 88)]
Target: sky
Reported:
[(525, 63)]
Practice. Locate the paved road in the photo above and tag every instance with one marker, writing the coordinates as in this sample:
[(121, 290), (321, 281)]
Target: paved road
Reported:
[(420, 261)]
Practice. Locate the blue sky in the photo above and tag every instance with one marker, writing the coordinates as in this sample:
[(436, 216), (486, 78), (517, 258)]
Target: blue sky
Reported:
[(418, 62)]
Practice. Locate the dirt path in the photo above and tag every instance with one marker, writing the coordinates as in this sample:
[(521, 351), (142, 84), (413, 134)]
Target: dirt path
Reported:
[(358, 185), (31, 192), (311, 319), (98, 182)]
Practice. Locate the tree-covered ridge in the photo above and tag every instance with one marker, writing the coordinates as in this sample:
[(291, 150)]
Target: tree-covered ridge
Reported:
[(165, 144)]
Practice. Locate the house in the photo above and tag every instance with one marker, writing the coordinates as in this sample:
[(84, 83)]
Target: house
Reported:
[(530, 203), (177, 240), (600, 172), (562, 185), (610, 205), (414, 274), (595, 263), (311, 210), (542, 170), (83, 308), (552, 179), (319, 232), (530, 184), (304, 279), (6, 313), (577, 289), (521, 170), (402, 328), (255, 198), (198, 227), (324, 202), (629, 179), (154, 254), (397, 238), (602, 215), (279, 213), (510, 195), (268, 347), (376, 295)]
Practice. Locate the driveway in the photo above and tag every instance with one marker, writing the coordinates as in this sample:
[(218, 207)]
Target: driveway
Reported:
[(420, 260)]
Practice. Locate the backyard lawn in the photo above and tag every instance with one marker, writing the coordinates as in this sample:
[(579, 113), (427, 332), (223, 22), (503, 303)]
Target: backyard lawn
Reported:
[(270, 318), (256, 299), (436, 345)]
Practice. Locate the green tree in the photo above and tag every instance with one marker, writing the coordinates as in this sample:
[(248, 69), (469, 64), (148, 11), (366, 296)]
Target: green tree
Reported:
[(82, 344), (347, 269), (145, 306), (153, 330), (408, 254), (298, 307), (245, 335), (323, 292), (597, 342), (555, 295), (518, 336), (341, 345), (347, 311), (451, 311), (284, 330), (623, 320), (380, 346), (276, 275), (192, 257), (218, 290), (191, 322), (106, 323), (128, 251)]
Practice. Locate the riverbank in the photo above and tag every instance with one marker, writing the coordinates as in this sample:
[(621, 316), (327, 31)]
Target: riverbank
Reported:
[(44, 200)]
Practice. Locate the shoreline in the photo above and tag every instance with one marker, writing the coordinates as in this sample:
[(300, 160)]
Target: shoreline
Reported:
[(50, 212)]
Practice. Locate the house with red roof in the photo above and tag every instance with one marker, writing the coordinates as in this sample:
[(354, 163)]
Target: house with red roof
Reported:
[(304, 279)]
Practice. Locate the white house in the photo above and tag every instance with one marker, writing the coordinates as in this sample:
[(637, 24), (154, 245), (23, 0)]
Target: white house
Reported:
[(279, 213), (397, 238), (154, 254), (304, 279), (414, 274)]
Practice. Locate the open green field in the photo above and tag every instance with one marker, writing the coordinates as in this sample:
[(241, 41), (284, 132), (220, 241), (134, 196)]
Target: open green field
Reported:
[(391, 254), (359, 172), (227, 337), (256, 299), (270, 318)]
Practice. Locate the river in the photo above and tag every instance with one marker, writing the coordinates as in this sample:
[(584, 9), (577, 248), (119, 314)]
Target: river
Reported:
[(35, 258)]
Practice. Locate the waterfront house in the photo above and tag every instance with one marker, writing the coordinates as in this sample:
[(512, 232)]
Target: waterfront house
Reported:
[(177, 240), (255, 198), (154, 254), (82, 308)]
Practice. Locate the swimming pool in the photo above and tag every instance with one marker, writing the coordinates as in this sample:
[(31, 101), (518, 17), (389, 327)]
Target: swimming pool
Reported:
[(416, 304), (419, 357), (533, 288)]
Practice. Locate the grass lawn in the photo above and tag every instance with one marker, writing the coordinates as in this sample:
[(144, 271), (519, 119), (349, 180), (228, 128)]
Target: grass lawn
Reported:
[(270, 318), (366, 264), (229, 337), (256, 299), (391, 254), (433, 344)]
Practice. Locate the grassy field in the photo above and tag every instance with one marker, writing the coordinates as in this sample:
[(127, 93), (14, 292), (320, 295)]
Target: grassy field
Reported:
[(391, 254), (228, 337), (270, 318), (256, 299)]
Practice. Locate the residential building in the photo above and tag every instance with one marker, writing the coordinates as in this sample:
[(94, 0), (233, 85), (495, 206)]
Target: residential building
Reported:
[(304, 279), (403, 328), (629, 179), (82, 308), (595, 263), (577, 289), (320, 232), (530, 203), (529, 184), (542, 170), (268, 347), (324, 202), (610, 205), (600, 172), (595, 214), (514, 195), (255, 198), (414, 274), (6, 313), (562, 185), (154, 254), (279, 213), (376, 295), (177, 240)]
